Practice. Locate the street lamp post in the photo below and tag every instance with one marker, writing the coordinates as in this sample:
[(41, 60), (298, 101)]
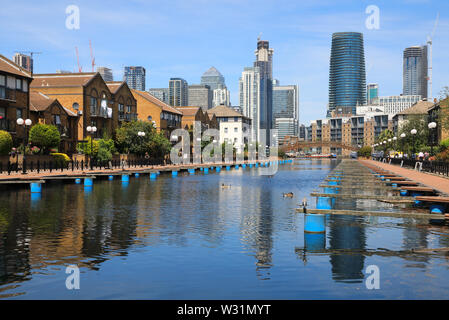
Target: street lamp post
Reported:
[(394, 145), (141, 134), (403, 135), (27, 123), (91, 130), (413, 133), (432, 126)]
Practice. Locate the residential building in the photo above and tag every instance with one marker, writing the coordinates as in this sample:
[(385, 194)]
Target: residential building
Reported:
[(178, 92), (200, 96), (238, 109), (14, 97), (285, 105), (395, 104), (213, 78), (191, 114), (249, 91), (163, 116), (124, 104), (221, 97), (160, 93), (415, 71), (347, 78), (419, 109), (46, 110), (135, 77), (235, 128), (106, 73), (24, 61), (85, 94), (372, 93), (438, 113)]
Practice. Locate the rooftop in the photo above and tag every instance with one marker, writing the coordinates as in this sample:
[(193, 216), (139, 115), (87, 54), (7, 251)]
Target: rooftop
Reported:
[(421, 107), (7, 65), (224, 111), (62, 79), (148, 96)]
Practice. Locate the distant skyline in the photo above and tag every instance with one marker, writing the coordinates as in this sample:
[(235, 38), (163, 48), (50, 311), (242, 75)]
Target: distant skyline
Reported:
[(185, 38)]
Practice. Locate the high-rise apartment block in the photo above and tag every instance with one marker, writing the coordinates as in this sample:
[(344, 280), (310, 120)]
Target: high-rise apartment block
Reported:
[(372, 93), (135, 77), (415, 71), (105, 73), (24, 61), (178, 92), (200, 96), (159, 93)]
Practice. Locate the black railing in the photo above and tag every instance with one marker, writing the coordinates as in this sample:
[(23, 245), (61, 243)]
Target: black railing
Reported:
[(437, 167)]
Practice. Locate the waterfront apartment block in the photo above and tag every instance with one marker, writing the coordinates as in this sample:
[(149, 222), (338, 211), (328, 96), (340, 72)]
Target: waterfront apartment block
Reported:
[(163, 116), (14, 97), (418, 110), (124, 106), (135, 77), (46, 110), (200, 95), (286, 127), (235, 128), (191, 114), (438, 113)]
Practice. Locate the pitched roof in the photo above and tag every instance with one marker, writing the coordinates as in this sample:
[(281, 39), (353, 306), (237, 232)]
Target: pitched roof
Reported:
[(421, 107), (10, 67), (223, 111), (114, 86), (188, 111), (62, 79), (148, 96), (40, 101), (211, 72)]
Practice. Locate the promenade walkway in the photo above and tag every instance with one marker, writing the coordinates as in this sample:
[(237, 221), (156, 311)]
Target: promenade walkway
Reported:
[(432, 181)]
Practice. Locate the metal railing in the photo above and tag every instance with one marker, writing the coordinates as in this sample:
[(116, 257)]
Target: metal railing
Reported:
[(436, 167)]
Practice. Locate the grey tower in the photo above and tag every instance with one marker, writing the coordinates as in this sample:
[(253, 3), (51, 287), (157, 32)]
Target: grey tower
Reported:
[(415, 71)]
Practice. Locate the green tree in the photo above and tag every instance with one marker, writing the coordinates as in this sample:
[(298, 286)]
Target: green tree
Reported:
[(364, 152), (418, 141), (5, 142), (159, 146), (384, 136), (128, 141), (86, 147), (45, 136)]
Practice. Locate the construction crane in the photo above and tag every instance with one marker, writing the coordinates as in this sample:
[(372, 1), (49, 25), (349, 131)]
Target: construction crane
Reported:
[(92, 56), (429, 42), (78, 60)]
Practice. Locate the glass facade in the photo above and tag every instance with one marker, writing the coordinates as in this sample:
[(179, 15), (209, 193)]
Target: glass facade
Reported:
[(347, 78), (135, 77), (415, 71)]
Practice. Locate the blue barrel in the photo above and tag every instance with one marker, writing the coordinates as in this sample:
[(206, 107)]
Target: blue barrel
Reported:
[(218, 169), (202, 169), (250, 165), (153, 175), (394, 185), (206, 170), (125, 178), (35, 197), (158, 172), (77, 180), (136, 174), (244, 166), (314, 242), (403, 193), (228, 168), (382, 178), (111, 177), (174, 173), (191, 171), (314, 223), (334, 183), (35, 187), (88, 182), (437, 208), (324, 203), (236, 166)]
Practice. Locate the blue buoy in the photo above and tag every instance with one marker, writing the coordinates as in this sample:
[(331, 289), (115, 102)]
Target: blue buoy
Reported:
[(88, 189), (228, 168), (330, 190), (35, 187), (206, 170), (77, 180), (334, 183), (35, 197), (437, 208), (250, 165), (314, 223), (324, 203), (202, 169), (174, 173), (111, 177), (382, 178), (256, 165), (125, 184), (394, 185), (158, 172), (153, 175), (88, 182), (191, 171), (244, 166), (136, 175), (218, 169), (314, 242), (236, 166), (403, 193), (125, 178)]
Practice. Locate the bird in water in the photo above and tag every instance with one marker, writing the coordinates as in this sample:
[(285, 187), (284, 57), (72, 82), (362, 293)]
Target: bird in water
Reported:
[(223, 186), (304, 205), (288, 195)]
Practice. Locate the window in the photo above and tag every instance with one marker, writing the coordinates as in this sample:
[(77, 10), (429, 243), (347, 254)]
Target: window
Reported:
[(11, 82), (93, 105), (19, 84), (128, 108), (2, 113), (120, 107), (236, 119), (56, 119), (225, 130), (149, 118), (19, 113), (2, 87), (24, 86), (236, 129)]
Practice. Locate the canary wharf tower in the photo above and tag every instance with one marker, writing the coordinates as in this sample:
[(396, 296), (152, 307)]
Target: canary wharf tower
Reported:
[(347, 78)]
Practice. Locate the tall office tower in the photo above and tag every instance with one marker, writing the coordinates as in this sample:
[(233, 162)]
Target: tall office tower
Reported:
[(213, 78), (414, 77), (286, 127), (135, 77), (24, 61), (249, 92), (285, 105), (372, 93), (347, 78), (105, 73), (178, 92), (159, 93), (221, 97), (264, 61), (200, 95)]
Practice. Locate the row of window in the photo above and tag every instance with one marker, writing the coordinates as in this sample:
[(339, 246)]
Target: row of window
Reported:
[(12, 83), (19, 113)]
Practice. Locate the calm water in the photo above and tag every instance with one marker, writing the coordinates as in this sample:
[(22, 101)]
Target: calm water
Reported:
[(187, 238)]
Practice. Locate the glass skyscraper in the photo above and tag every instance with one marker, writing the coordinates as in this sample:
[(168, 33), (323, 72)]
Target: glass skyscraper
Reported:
[(135, 77), (415, 71), (285, 106), (372, 93), (213, 78), (347, 78)]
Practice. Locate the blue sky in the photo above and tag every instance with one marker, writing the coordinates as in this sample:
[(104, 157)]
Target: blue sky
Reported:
[(183, 38)]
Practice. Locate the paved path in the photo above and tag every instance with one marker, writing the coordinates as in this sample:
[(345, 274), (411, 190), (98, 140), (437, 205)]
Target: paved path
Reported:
[(435, 182)]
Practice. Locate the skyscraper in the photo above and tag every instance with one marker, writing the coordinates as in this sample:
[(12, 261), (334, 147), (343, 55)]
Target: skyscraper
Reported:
[(221, 96), (249, 91), (285, 106), (213, 78), (135, 77), (200, 96), (347, 78), (372, 93), (414, 77), (159, 93), (24, 61), (106, 73), (178, 92)]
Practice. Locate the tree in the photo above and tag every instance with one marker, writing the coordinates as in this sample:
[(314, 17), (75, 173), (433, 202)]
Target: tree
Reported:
[(384, 136), (364, 152), (128, 141), (45, 136), (420, 139), (5, 142), (159, 146), (86, 147)]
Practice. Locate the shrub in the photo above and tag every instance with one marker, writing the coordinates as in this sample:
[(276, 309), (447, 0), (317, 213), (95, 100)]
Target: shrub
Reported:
[(364, 152), (61, 159), (444, 145), (35, 150), (5, 142), (443, 156), (45, 136)]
